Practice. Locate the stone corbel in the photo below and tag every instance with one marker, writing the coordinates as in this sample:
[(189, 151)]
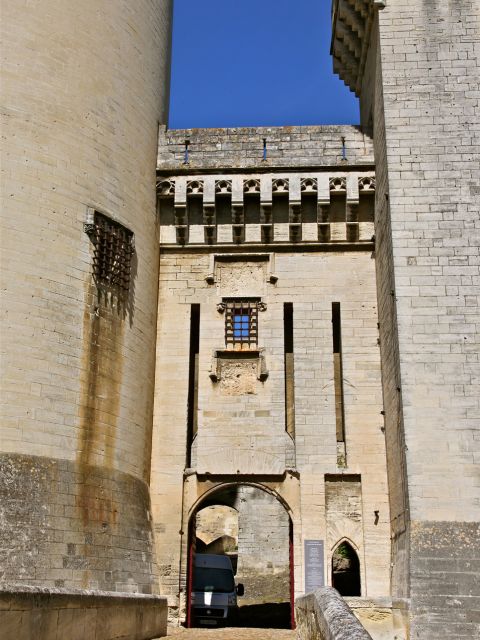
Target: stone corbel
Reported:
[(181, 233), (209, 200), (266, 199), (271, 277), (237, 200), (209, 231), (323, 208), (294, 199), (180, 201), (214, 373), (323, 197), (262, 370), (210, 277), (237, 213), (351, 207)]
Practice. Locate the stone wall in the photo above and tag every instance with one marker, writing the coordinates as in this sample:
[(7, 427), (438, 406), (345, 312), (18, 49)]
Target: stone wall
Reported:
[(324, 615), (217, 521), (29, 612), (430, 94), (57, 531), (425, 125), (243, 147), (222, 412), (84, 86), (383, 618), (263, 547), (388, 330), (242, 432)]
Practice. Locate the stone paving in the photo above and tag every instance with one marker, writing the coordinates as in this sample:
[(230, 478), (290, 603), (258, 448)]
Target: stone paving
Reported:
[(230, 633)]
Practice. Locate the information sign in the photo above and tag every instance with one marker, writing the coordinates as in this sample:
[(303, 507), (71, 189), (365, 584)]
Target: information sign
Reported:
[(314, 565)]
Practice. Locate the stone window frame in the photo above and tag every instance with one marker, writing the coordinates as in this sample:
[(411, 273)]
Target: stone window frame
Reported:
[(241, 322), (241, 334)]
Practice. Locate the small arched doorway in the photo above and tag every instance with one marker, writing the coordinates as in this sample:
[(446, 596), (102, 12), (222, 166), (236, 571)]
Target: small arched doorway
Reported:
[(346, 570), (260, 548)]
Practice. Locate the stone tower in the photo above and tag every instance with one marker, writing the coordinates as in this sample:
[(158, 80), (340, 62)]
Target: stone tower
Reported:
[(415, 67), (85, 88)]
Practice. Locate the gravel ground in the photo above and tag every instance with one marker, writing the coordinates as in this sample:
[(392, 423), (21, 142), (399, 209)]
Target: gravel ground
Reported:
[(230, 633)]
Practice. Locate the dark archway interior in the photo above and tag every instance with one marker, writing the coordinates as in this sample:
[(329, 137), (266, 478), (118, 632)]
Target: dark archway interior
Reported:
[(346, 570), (252, 527)]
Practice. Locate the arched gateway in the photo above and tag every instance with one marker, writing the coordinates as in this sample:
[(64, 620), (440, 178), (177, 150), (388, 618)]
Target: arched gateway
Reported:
[(261, 552)]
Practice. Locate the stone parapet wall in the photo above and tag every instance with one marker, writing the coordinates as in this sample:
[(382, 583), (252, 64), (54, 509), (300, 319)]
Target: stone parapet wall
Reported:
[(56, 614), (324, 615), (244, 147)]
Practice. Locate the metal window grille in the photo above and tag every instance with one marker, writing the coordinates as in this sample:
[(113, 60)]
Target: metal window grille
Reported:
[(241, 322), (112, 257)]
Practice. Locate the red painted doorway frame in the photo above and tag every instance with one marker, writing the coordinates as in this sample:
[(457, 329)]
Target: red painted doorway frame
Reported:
[(190, 565), (292, 576)]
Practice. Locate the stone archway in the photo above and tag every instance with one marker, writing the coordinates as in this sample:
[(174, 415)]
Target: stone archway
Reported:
[(265, 549), (346, 569)]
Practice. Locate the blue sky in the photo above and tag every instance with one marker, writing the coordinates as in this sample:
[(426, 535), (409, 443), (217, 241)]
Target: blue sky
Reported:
[(255, 62)]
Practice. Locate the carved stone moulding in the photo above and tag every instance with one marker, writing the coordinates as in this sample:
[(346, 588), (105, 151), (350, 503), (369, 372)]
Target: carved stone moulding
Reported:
[(280, 186), (195, 187), (166, 188), (251, 186), (366, 184), (223, 359), (223, 187), (309, 185), (338, 184)]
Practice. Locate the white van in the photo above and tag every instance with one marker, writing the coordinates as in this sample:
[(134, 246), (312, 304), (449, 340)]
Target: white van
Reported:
[(214, 594)]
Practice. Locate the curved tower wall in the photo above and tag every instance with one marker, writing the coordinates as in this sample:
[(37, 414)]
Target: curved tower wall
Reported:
[(85, 88)]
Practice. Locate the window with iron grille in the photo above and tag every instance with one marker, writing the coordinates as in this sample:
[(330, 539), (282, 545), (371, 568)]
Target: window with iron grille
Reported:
[(113, 249), (241, 322)]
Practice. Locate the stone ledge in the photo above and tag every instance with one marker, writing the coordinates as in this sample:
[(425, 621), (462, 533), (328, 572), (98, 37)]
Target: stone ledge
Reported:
[(49, 614), (384, 618), (324, 615)]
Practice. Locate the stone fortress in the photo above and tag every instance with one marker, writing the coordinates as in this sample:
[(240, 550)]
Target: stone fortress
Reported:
[(285, 316)]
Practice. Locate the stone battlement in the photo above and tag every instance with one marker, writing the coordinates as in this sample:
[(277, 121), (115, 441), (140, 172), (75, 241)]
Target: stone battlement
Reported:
[(243, 147)]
